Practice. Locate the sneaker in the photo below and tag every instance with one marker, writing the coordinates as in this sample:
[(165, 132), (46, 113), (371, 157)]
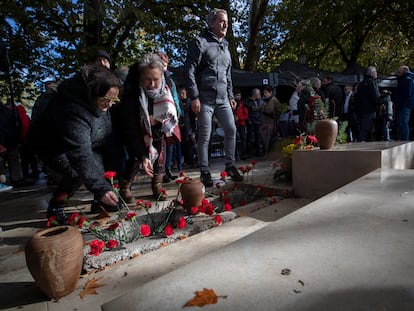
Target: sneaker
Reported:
[(205, 178), (233, 172), (4, 187)]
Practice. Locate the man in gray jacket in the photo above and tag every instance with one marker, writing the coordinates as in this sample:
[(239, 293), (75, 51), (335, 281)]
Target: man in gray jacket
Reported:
[(208, 73)]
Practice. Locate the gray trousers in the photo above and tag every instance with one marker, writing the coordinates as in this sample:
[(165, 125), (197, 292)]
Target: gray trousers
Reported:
[(224, 114)]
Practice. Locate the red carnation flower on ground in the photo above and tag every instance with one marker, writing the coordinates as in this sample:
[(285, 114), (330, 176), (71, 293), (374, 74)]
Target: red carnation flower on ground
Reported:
[(145, 230), (202, 209), (96, 247), (253, 162), (210, 209), (131, 215), (72, 218), (218, 219), (114, 226), (269, 193), (194, 210), (109, 175), (182, 223), (111, 244), (51, 221), (168, 230), (62, 197), (223, 175), (227, 207), (242, 202), (81, 220)]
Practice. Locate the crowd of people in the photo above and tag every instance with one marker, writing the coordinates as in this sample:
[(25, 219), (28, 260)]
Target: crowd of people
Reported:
[(78, 130)]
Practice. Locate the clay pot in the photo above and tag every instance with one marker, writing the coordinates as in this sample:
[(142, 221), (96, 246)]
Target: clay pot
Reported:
[(326, 132), (192, 193), (54, 257)]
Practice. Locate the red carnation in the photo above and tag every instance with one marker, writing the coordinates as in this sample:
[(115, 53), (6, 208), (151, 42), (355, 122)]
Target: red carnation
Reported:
[(62, 197), (182, 223), (72, 218), (194, 210), (145, 230), (227, 207), (111, 244), (51, 221), (218, 219), (269, 194), (204, 202), (242, 202), (168, 230), (253, 162), (181, 174), (81, 220), (114, 226), (109, 175), (130, 215), (202, 209), (96, 247), (210, 209)]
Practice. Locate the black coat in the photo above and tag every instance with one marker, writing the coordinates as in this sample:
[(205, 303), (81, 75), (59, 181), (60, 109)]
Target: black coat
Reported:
[(74, 126), (367, 96)]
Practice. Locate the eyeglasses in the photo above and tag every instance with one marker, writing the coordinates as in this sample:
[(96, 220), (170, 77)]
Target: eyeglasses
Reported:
[(109, 99)]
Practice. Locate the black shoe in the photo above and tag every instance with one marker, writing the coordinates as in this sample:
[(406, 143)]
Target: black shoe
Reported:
[(97, 207), (59, 213), (169, 174), (233, 172), (166, 179), (205, 178)]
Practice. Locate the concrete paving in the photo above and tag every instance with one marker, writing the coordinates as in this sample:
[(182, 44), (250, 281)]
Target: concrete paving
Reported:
[(23, 213), (350, 250)]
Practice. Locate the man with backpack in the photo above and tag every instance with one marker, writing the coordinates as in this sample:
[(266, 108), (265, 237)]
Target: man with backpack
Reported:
[(404, 101)]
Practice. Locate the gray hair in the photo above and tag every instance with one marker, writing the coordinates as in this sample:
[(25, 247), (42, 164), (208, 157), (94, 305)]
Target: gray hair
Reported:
[(371, 69), (152, 61), (212, 16)]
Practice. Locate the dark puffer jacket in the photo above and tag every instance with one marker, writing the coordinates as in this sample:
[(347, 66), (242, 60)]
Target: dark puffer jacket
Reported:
[(404, 95), (74, 126), (208, 69)]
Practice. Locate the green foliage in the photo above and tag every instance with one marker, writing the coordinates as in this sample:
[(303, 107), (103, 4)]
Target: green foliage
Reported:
[(55, 37), (342, 137)]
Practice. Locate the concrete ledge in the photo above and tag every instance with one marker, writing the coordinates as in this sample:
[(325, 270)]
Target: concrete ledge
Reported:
[(319, 172), (350, 250)]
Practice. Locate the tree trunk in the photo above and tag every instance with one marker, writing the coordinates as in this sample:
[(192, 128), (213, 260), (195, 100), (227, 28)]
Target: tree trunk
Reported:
[(257, 13)]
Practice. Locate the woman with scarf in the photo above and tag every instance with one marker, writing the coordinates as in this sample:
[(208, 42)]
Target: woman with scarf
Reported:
[(149, 122)]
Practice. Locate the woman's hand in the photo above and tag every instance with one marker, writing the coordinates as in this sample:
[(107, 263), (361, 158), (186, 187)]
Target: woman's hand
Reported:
[(147, 167), (110, 198)]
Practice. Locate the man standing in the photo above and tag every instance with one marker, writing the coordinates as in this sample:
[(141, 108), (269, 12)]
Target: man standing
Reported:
[(367, 100), (208, 73), (404, 101)]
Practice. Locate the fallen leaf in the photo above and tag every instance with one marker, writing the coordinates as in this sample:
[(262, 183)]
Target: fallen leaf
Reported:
[(182, 237), (90, 287), (163, 244), (285, 271), (242, 213), (202, 298), (301, 282), (297, 291)]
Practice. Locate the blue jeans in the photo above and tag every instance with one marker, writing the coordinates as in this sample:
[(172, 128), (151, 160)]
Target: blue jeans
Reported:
[(225, 116), (403, 117), (171, 151)]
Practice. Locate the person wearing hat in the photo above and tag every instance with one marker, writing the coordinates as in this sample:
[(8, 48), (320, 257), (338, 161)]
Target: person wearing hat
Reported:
[(102, 58)]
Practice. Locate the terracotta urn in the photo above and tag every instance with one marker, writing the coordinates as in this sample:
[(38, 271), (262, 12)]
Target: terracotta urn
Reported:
[(326, 132), (54, 257), (192, 193)]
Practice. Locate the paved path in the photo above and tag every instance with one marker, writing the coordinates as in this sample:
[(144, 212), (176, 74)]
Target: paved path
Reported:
[(22, 213)]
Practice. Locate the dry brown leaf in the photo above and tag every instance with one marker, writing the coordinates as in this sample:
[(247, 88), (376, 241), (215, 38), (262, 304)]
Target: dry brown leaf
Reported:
[(90, 287), (182, 237), (202, 298), (301, 282), (163, 244)]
